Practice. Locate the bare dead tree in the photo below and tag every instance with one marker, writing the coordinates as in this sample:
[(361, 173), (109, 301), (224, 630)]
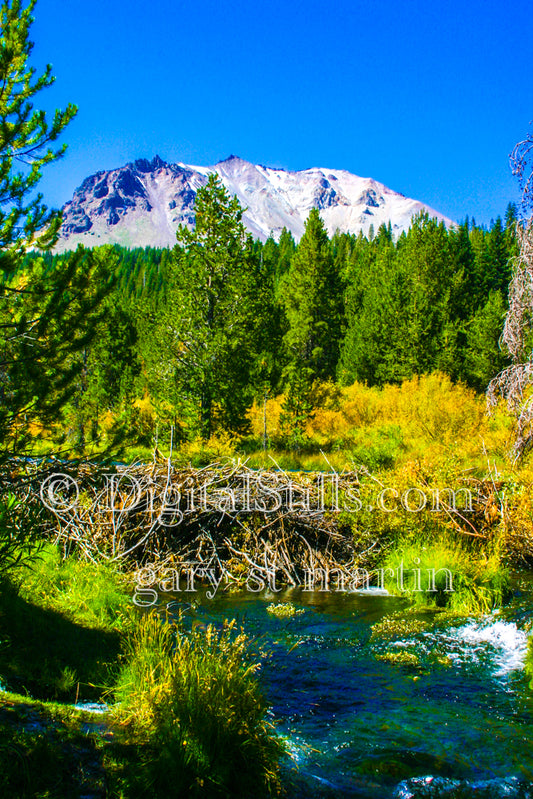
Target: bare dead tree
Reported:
[(522, 166), (515, 384)]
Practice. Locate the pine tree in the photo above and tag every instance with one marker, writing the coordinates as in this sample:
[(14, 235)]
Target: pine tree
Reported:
[(270, 320), (48, 317), (108, 369), (378, 345), (24, 135), (47, 311), (312, 296), (205, 327), (483, 356), (286, 249), (498, 267)]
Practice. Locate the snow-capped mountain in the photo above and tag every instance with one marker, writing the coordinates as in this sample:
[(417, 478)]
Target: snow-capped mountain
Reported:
[(143, 203)]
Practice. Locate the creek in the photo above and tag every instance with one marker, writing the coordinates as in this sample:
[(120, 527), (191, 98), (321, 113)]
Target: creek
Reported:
[(432, 708)]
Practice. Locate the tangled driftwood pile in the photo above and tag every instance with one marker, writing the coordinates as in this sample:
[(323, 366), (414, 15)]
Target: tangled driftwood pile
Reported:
[(225, 517), (226, 520)]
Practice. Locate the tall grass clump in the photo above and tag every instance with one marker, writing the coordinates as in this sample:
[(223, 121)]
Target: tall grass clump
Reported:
[(528, 666), (194, 704), (444, 572)]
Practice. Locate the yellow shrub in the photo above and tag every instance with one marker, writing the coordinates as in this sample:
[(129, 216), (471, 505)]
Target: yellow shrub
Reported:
[(272, 411), (326, 424), (427, 417), (361, 405), (435, 408), (201, 453)]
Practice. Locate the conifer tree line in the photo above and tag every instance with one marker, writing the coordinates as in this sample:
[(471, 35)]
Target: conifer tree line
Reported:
[(121, 341), (197, 333)]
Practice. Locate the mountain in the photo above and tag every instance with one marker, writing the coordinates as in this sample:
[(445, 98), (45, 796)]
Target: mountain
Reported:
[(143, 203)]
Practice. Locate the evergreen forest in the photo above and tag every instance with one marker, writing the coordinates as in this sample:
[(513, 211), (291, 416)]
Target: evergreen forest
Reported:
[(191, 340)]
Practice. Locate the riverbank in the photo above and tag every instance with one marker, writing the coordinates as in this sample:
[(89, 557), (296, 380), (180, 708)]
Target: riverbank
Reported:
[(70, 633), (370, 696)]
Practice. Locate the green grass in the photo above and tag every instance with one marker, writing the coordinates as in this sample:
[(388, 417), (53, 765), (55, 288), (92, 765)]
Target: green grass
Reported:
[(61, 627), (466, 580), (95, 595), (195, 704)]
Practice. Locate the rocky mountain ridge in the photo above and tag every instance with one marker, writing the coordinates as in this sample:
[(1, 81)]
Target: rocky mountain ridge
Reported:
[(143, 202)]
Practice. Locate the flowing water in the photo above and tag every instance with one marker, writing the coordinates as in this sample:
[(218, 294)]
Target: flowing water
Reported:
[(453, 718)]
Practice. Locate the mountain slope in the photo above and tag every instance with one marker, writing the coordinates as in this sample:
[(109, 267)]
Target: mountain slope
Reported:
[(143, 202)]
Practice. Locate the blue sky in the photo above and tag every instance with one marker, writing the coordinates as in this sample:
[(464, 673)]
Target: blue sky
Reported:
[(426, 97)]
